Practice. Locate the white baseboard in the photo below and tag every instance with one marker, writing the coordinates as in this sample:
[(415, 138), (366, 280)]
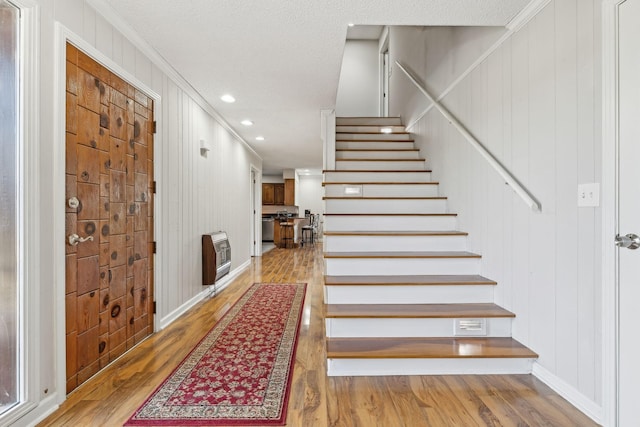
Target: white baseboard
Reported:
[(223, 283), (568, 392), (36, 414)]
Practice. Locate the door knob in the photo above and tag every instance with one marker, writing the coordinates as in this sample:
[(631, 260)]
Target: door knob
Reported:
[(74, 239), (630, 241), (73, 203)]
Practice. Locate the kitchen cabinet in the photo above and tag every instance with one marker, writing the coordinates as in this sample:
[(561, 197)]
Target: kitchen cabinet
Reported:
[(278, 194), (289, 192), (267, 194), (273, 194)]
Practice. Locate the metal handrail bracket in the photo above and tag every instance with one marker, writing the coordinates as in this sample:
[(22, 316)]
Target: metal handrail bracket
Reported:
[(509, 179)]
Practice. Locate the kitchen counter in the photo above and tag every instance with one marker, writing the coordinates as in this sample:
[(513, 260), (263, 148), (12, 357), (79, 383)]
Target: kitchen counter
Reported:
[(297, 224)]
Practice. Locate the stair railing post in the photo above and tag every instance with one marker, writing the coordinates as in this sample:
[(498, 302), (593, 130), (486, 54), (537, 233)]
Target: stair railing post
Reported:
[(328, 134), (495, 164)]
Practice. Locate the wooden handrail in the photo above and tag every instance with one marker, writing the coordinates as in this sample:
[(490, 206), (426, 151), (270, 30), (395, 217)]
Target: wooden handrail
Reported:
[(495, 164)]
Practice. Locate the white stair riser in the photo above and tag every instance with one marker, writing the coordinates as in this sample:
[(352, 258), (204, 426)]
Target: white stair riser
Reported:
[(373, 137), (404, 266), (389, 223), (364, 121), (405, 294), (386, 165), (362, 154), (409, 327), (374, 145), (337, 176), (386, 205), (369, 128), (383, 190), (394, 243), (437, 366)]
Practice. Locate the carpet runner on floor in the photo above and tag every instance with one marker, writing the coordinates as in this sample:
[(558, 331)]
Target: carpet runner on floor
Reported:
[(240, 373)]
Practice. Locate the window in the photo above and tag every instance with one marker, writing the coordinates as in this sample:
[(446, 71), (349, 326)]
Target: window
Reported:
[(9, 207)]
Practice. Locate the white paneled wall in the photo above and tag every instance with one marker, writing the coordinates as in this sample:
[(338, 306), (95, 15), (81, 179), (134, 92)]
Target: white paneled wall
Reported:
[(195, 194), (535, 104)]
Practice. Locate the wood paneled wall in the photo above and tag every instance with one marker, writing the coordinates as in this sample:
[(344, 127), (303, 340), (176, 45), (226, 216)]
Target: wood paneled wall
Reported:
[(535, 104)]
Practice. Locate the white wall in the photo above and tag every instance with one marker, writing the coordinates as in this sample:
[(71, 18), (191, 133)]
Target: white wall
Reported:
[(535, 104), (272, 179), (358, 89), (195, 194), (310, 194)]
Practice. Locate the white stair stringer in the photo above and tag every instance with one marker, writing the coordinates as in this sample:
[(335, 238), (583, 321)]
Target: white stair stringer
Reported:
[(369, 189), (389, 239), (368, 121), (428, 366), (377, 154), (393, 242), (377, 176), (434, 294), (386, 205), (404, 327), (389, 222), (374, 145)]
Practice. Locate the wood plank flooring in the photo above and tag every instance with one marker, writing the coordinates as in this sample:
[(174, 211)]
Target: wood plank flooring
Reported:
[(316, 400)]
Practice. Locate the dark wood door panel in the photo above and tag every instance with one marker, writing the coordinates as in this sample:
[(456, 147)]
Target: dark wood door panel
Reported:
[(109, 168)]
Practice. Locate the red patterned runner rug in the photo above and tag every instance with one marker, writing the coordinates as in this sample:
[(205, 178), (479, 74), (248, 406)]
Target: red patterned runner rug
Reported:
[(240, 373)]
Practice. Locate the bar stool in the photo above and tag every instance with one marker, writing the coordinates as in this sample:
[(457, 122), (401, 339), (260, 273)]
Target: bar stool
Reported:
[(286, 234), (308, 230)]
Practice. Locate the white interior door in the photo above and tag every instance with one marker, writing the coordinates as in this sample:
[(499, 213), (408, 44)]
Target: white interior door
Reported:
[(629, 211)]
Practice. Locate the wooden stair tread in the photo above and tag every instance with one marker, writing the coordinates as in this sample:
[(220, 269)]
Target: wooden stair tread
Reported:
[(425, 254), (411, 280), (395, 233), (378, 171), (410, 348), (370, 133), (380, 160), (381, 183), (387, 141), (395, 311), (377, 149), (384, 198), (389, 214)]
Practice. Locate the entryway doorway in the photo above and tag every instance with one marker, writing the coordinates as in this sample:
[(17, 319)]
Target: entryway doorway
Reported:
[(109, 211)]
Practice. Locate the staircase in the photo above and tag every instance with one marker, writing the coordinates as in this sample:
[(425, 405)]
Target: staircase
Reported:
[(403, 296)]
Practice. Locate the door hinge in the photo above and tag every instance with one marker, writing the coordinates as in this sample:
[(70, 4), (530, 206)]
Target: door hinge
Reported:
[(154, 247), (154, 126), (153, 187), (154, 307)]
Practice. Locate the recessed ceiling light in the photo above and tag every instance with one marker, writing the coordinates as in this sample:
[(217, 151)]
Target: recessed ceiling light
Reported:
[(351, 24), (259, 138), (247, 122), (228, 98), (386, 130)]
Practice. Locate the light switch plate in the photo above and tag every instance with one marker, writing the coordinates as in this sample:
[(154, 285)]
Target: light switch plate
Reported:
[(589, 195)]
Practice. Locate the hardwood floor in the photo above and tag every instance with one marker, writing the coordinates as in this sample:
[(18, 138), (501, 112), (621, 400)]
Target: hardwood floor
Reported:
[(316, 400)]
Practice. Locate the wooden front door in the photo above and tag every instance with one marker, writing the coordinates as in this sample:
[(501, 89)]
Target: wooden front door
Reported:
[(109, 209)]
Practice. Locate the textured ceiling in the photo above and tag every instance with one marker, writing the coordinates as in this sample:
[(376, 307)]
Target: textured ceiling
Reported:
[(281, 58)]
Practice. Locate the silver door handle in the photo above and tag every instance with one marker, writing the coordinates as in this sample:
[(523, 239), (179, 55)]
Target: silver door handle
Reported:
[(74, 239), (630, 241)]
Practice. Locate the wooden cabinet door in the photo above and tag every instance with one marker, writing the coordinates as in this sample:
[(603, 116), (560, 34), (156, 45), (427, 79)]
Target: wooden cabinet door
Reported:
[(267, 194), (278, 194), (289, 192)]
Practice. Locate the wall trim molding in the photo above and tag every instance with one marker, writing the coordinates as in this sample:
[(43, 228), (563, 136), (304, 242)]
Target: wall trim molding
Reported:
[(519, 21), (610, 141), (207, 292), (107, 11), (567, 391)]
